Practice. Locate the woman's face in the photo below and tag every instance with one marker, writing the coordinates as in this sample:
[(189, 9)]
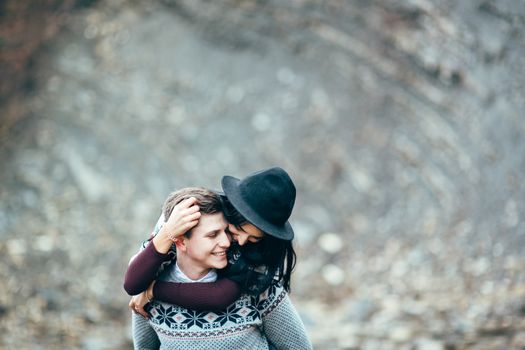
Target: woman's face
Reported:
[(246, 233)]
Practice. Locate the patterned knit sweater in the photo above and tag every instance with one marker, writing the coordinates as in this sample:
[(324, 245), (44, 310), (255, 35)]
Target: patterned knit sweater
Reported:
[(248, 323)]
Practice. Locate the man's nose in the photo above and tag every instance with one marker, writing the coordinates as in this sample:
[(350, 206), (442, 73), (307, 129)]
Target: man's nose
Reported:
[(224, 240)]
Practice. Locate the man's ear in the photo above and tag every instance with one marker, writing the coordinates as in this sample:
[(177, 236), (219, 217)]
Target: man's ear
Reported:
[(180, 243)]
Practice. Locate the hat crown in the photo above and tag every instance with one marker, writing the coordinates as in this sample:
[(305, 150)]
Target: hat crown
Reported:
[(270, 193)]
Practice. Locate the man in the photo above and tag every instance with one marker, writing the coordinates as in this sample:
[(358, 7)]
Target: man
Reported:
[(196, 219)]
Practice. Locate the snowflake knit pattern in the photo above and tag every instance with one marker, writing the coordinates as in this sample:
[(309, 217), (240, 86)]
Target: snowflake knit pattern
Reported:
[(248, 323)]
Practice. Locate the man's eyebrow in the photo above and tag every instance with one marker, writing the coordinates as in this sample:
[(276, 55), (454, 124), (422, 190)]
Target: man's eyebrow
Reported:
[(214, 232)]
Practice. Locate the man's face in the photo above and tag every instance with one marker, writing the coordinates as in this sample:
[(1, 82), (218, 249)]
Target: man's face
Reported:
[(208, 243)]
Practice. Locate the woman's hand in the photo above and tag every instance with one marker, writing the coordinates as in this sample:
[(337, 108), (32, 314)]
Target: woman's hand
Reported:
[(137, 303), (183, 218)]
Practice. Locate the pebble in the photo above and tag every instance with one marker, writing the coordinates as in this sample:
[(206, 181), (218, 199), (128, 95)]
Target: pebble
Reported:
[(330, 242), (401, 333), (261, 121), (429, 344), (286, 76), (44, 243), (16, 246), (360, 310), (348, 342), (333, 274)]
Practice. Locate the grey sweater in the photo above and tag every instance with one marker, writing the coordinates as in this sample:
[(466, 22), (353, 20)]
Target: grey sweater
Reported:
[(248, 323)]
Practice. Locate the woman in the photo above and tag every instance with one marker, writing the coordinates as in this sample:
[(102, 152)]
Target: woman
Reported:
[(258, 208)]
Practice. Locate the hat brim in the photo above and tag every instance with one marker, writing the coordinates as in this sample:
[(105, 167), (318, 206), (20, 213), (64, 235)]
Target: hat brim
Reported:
[(230, 186)]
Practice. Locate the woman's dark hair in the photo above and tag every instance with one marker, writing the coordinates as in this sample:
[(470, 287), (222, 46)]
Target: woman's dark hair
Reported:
[(277, 254)]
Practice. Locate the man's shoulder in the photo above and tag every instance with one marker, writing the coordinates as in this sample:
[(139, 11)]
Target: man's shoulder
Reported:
[(270, 298)]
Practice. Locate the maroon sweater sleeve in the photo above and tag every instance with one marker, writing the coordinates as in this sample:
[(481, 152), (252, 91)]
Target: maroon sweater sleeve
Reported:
[(212, 296), (197, 296), (143, 269)]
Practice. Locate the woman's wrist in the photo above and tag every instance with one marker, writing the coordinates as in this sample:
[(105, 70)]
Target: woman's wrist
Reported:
[(163, 241)]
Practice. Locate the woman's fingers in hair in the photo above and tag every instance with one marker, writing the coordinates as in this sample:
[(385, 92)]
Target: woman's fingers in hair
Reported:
[(190, 221), (194, 208), (184, 209), (192, 216), (187, 207), (188, 202), (181, 220)]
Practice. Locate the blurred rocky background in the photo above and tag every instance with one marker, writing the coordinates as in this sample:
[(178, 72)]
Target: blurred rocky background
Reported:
[(401, 122)]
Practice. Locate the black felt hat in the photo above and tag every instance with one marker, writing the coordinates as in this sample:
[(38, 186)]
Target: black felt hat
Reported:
[(265, 198)]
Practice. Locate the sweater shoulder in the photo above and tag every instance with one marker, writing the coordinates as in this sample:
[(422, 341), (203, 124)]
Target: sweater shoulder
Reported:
[(268, 300)]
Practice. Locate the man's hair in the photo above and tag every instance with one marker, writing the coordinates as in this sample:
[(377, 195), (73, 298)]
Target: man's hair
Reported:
[(208, 201)]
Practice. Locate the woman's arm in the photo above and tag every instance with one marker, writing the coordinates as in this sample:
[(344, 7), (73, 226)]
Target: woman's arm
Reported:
[(142, 269), (212, 296), (198, 296)]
